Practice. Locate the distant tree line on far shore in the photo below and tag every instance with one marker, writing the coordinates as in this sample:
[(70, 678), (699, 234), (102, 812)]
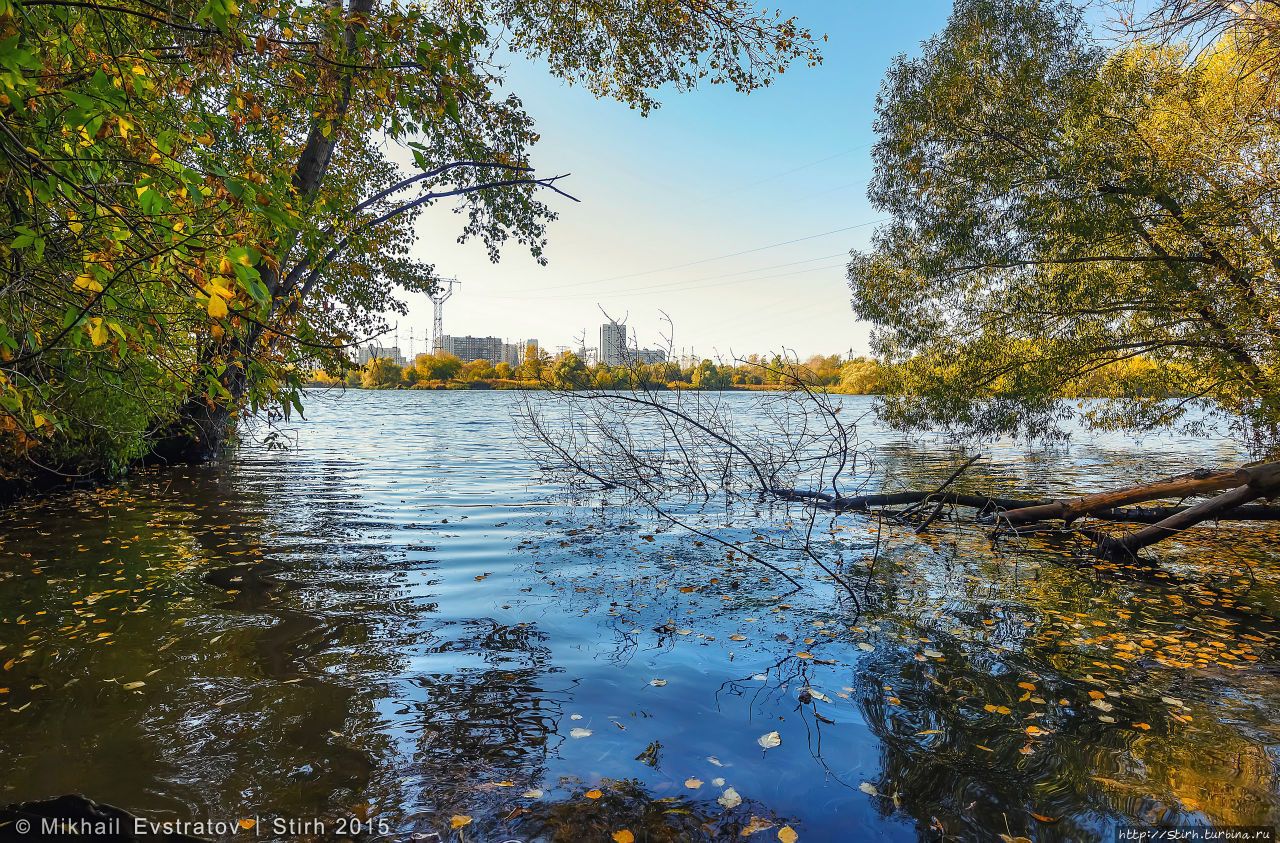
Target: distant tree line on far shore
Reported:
[(1136, 377)]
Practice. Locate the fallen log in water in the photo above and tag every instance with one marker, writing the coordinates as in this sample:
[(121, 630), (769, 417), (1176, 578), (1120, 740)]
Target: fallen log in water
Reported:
[(1260, 478), (1236, 487), (1131, 515)]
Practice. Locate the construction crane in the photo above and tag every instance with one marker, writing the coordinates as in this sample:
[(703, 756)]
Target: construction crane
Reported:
[(440, 293)]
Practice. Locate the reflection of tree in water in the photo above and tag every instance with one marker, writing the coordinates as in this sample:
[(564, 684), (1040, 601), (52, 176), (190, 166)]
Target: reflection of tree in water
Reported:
[(1016, 712), (481, 726), (253, 694)]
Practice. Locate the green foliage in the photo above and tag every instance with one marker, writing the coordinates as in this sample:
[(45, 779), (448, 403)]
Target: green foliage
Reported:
[(706, 375), (1058, 209), (437, 367), (202, 203), (569, 372), (381, 373)]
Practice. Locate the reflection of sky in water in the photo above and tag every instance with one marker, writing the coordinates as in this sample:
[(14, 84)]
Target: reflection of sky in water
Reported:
[(430, 644)]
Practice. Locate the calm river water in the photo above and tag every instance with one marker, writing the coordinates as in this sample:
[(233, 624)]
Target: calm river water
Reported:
[(398, 624)]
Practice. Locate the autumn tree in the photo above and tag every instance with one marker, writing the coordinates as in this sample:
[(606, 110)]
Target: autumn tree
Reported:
[(1056, 208), (202, 201), (437, 367)]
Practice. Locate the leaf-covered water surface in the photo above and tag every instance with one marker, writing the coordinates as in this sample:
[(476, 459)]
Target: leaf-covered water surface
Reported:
[(397, 621)]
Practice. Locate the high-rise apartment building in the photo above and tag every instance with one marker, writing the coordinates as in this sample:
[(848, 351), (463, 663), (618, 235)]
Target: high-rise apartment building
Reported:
[(612, 349), (492, 349)]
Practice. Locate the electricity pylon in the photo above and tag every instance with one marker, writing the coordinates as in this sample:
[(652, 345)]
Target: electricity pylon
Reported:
[(440, 294)]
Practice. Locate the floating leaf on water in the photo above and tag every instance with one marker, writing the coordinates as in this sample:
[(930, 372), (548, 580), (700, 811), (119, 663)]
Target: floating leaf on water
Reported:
[(736, 637), (593, 794), (863, 645), (787, 835), (459, 820), (714, 760), (1027, 686), (1143, 726), (770, 740), (756, 824), (575, 716), (730, 798), (531, 793), (717, 782), (1106, 718), (1007, 839), (1102, 705), (869, 789), (804, 655), (624, 836), (693, 783), (129, 686), (580, 733), (929, 732), (933, 654), (760, 677), (657, 683)]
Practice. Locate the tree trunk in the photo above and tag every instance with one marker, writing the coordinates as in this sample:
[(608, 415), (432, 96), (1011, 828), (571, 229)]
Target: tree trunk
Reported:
[(197, 432), (1126, 547), (1197, 482)]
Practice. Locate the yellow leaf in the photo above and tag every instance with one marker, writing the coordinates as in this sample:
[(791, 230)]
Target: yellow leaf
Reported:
[(787, 834), (247, 824), (217, 307), (1027, 685), (214, 288), (459, 820), (593, 794), (804, 655), (124, 126), (624, 836), (87, 282), (97, 331)]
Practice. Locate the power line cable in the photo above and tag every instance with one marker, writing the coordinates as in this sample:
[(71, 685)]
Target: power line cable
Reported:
[(717, 257)]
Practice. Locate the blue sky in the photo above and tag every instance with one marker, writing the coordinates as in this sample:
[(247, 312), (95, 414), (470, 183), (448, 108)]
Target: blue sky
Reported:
[(681, 211)]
